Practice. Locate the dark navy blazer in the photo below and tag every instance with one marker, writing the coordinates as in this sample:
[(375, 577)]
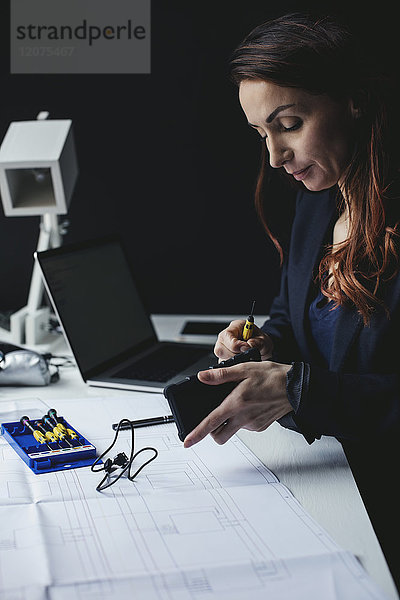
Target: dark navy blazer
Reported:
[(357, 398), (359, 394)]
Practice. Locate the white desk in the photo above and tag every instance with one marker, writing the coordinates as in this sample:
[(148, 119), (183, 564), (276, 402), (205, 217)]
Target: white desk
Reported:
[(317, 475)]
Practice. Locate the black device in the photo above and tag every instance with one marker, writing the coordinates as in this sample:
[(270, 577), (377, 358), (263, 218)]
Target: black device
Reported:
[(191, 400)]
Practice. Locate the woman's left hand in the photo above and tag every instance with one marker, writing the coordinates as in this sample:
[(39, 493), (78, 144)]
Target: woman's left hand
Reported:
[(258, 400)]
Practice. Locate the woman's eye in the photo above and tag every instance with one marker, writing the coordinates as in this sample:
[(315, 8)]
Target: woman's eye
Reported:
[(293, 127)]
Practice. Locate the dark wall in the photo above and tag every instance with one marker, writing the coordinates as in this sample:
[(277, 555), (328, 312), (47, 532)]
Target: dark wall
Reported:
[(165, 159)]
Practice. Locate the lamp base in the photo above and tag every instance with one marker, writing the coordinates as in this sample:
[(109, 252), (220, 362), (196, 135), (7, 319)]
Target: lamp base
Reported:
[(15, 333), (37, 326), (32, 331)]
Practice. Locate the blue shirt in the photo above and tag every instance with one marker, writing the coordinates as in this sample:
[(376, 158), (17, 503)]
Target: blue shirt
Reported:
[(323, 323)]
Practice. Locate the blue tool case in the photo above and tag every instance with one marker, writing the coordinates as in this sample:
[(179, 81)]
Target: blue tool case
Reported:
[(52, 456)]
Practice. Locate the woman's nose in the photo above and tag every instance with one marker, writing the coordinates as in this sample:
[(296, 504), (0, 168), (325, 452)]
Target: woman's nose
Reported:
[(278, 154)]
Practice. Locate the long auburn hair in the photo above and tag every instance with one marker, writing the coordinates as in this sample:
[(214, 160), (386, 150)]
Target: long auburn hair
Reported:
[(320, 56)]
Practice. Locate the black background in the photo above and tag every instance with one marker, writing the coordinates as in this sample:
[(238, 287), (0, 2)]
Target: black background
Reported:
[(167, 159)]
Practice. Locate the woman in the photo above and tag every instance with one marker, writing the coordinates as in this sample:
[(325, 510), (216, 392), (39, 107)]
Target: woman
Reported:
[(330, 365)]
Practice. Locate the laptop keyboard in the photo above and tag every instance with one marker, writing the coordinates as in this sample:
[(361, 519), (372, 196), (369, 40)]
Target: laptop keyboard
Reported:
[(162, 364)]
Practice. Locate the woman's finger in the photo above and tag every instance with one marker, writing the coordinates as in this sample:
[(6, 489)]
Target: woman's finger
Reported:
[(225, 431), (229, 341)]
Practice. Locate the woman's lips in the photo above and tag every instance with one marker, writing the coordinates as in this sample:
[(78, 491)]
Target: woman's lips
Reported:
[(302, 174)]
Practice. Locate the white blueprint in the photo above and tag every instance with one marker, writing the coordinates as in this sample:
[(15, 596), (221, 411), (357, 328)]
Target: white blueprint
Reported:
[(205, 523)]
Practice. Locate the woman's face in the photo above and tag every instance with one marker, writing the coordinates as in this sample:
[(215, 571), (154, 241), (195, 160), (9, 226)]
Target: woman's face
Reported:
[(310, 136)]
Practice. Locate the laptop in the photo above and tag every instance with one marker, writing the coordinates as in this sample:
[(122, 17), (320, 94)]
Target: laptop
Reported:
[(104, 320)]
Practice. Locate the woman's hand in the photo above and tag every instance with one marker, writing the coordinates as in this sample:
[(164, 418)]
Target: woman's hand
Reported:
[(229, 341), (258, 400)]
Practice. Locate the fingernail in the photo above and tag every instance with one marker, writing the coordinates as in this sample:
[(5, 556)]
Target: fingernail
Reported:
[(244, 348), (204, 375)]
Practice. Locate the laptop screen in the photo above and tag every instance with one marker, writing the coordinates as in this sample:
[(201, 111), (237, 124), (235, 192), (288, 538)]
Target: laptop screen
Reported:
[(97, 301)]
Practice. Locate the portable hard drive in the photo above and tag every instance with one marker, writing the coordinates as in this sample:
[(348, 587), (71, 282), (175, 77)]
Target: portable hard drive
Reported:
[(191, 400)]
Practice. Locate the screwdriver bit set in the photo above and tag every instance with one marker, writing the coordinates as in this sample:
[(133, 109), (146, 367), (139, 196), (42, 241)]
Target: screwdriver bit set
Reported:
[(48, 444)]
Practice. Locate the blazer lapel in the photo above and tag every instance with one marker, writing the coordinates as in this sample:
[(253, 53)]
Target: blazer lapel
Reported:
[(305, 253), (314, 227)]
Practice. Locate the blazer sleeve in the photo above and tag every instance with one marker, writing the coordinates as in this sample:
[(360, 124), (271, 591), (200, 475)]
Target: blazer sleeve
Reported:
[(348, 406)]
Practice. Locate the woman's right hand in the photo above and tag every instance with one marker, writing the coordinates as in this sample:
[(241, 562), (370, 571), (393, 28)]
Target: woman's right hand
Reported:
[(230, 341)]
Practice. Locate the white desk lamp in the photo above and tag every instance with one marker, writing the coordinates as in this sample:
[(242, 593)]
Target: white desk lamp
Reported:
[(38, 171)]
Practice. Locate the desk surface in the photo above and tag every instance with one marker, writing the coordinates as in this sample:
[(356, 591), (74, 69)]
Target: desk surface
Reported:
[(317, 475)]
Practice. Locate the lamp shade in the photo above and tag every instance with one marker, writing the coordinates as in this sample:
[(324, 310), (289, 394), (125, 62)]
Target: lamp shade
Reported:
[(38, 167)]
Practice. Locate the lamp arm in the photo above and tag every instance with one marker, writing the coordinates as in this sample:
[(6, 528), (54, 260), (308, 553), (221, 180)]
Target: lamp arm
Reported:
[(49, 236)]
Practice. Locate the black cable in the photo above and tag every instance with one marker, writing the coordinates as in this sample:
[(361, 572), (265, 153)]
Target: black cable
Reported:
[(121, 460)]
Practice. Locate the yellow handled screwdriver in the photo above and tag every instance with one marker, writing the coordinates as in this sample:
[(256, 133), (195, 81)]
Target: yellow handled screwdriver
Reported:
[(69, 433), (38, 435), (57, 432), (249, 325), (52, 413), (47, 434)]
